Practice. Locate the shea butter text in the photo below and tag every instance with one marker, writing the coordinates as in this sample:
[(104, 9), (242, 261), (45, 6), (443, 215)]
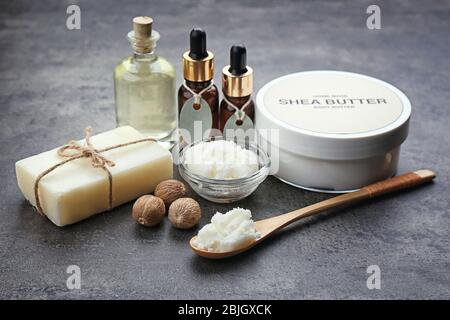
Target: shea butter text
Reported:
[(308, 102)]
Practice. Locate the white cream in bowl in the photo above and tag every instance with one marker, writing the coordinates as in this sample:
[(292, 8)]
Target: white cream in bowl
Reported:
[(221, 159)]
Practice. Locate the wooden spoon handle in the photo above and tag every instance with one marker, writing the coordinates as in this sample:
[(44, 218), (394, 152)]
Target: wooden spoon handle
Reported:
[(407, 180), (403, 181)]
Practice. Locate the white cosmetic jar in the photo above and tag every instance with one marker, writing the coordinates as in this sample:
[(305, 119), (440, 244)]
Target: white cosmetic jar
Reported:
[(331, 131)]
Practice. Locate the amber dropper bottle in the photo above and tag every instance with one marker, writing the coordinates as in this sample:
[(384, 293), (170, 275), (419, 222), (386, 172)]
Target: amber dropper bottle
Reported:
[(198, 96), (237, 110)]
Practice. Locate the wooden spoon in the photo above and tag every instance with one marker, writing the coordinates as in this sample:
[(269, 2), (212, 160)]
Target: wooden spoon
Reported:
[(268, 227)]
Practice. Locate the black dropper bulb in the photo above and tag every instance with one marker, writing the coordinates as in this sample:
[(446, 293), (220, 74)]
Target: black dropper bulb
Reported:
[(238, 60), (198, 44)]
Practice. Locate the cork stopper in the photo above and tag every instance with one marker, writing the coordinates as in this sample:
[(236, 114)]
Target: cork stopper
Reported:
[(142, 27), (143, 38)]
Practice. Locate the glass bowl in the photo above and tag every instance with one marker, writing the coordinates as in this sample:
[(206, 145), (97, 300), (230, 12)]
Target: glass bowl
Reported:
[(225, 190)]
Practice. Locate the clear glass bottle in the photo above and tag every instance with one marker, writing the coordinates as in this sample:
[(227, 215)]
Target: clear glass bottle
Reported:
[(145, 86)]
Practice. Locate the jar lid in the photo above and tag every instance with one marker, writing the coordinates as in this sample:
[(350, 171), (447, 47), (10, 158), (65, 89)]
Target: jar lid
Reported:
[(333, 114)]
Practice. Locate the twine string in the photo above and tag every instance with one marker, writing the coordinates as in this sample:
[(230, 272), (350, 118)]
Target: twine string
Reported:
[(73, 150), (198, 96), (240, 112)]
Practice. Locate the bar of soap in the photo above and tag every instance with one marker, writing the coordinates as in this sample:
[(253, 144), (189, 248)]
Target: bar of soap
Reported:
[(76, 190)]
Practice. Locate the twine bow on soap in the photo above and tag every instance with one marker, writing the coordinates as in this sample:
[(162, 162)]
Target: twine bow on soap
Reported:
[(88, 151), (73, 150)]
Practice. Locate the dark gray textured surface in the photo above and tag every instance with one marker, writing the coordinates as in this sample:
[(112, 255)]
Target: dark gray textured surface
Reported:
[(54, 82)]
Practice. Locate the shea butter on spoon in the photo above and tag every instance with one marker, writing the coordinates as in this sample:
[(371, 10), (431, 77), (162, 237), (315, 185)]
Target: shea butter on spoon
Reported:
[(226, 232), (230, 234)]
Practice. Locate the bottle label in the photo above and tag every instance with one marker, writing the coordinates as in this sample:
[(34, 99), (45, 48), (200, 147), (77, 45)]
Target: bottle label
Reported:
[(238, 121), (333, 102), (195, 119)]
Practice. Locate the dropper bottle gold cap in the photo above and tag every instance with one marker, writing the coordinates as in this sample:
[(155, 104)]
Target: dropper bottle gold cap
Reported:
[(198, 63), (237, 78)]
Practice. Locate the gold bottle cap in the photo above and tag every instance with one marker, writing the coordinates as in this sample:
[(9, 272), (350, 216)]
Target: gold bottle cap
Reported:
[(198, 70), (237, 85)]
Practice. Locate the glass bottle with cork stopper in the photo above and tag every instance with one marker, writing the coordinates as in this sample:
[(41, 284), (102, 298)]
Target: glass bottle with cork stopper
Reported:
[(145, 86), (198, 96), (237, 110)]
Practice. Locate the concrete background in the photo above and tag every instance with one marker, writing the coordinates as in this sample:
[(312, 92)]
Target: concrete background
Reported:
[(54, 82)]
